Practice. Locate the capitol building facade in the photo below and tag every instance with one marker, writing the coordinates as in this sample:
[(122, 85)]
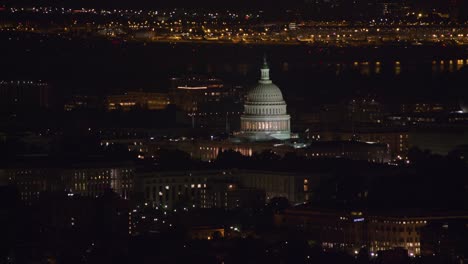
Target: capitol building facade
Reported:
[(265, 116)]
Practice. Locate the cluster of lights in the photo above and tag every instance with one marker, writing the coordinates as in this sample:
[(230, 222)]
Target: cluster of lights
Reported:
[(179, 25), (23, 82)]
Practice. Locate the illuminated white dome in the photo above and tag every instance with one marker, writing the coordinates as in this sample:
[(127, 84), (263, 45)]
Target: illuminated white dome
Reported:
[(265, 115), (265, 92)]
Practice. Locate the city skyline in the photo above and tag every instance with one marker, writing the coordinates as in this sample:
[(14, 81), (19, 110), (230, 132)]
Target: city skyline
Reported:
[(327, 131)]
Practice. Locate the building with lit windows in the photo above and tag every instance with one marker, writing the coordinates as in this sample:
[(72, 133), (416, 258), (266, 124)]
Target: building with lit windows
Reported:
[(203, 95), (296, 187), (223, 189), (353, 230), (397, 139), (208, 150), (265, 116), (24, 95), (207, 101), (365, 110), (95, 180), (81, 102), (30, 182), (198, 189), (347, 149), (206, 232), (143, 100), (85, 179), (169, 189)]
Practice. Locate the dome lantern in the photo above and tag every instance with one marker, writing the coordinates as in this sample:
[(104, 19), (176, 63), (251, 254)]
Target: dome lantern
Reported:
[(265, 71)]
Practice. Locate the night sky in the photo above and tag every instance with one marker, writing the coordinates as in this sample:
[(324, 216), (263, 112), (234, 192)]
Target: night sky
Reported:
[(265, 4)]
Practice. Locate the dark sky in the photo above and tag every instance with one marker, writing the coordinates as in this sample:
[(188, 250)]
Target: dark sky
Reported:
[(270, 6), (157, 3), (191, 3)]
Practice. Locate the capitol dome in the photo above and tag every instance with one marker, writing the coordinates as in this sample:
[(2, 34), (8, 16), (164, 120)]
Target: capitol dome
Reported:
[(265, 116), (266, 90)]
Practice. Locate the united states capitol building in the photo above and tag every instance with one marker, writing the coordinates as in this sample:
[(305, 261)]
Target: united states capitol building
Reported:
[(265, 116), (265, 125)]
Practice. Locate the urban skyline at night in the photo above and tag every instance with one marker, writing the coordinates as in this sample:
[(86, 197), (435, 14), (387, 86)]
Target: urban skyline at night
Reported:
[(328, 131)]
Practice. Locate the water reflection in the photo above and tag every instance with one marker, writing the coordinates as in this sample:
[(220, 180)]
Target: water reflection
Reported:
[(378, 68), (365, 68), (460, 64), (448, 65), (398, 67)]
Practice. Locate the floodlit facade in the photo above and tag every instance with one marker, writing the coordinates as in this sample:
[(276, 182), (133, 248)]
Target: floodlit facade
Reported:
[(265, 116)]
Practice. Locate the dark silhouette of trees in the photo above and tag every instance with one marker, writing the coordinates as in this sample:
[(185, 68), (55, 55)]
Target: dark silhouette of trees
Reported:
[(230, 159), (278, 204), (174, 159)]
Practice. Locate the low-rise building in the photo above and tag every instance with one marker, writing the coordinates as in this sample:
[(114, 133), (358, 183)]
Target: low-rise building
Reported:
[(170, 189), (351, 231), (348, 149), (208, 150), (143, 100), (85, 179), (223, 189), (396, 139), (24, 96), (206, 232)]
